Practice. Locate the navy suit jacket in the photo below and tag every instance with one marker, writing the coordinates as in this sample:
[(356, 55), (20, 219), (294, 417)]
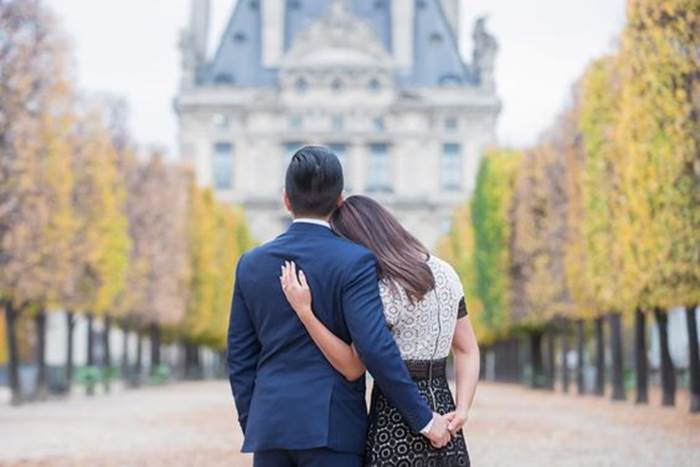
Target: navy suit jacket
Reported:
[(287, 394)]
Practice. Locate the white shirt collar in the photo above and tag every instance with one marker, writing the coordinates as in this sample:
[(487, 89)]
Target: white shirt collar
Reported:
[(308, 220)]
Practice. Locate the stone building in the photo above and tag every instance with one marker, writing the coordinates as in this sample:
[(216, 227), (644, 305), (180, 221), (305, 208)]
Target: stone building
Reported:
[(382, 82)]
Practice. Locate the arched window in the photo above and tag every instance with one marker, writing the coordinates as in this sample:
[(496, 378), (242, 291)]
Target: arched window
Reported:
[(436, 39)]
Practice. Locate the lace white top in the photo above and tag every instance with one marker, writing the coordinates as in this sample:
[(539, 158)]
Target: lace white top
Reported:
[(424, 330)]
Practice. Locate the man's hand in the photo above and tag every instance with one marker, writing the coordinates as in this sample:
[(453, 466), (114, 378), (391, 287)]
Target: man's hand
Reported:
[(439, 435)]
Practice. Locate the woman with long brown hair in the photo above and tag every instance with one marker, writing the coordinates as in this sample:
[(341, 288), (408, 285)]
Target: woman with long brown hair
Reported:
[(425, 308)]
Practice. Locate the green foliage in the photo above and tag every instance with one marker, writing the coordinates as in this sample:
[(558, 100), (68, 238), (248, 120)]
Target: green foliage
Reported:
[(102, 244), (659, 133), (218, 236), (603, 204), (457, 248), (604, 213), (492, 235)]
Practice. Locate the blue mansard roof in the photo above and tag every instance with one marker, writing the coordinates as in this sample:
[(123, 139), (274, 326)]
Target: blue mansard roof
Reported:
[(238, 60)]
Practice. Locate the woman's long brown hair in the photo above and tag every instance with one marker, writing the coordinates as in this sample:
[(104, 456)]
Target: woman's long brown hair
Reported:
[(401, 257)]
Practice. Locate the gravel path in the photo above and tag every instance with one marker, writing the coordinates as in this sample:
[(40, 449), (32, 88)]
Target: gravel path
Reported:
[(193, 424)]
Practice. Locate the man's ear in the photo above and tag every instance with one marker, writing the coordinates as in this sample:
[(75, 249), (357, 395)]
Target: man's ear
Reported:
[(339, 202), (287, 203)]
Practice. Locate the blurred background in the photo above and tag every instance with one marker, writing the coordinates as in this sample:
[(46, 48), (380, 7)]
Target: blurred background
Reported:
[(549, 150)]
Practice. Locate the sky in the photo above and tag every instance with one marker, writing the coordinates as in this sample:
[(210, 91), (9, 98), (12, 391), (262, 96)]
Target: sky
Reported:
[(129, 48)]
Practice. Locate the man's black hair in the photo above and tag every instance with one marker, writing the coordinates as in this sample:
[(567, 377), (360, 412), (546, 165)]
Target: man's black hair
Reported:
[(314, 181)]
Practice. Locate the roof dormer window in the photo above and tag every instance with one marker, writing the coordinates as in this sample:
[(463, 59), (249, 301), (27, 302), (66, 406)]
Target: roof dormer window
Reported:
[(224, 78), (239, 37), (450, 80), (436, 39)]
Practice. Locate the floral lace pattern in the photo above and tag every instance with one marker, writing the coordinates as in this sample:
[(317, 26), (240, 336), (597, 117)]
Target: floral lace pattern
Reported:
[(391, 443), (424, 330)]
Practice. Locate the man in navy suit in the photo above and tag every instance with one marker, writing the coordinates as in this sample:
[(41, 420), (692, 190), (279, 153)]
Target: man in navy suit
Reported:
[(294, 408)]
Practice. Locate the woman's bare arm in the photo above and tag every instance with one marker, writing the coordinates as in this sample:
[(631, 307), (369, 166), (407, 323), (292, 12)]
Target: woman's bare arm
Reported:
[(341, 356), (466, 360)]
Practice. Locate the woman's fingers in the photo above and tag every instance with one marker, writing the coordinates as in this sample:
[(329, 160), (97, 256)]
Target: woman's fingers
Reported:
[(295, 277), (283, 277), (291, 282), (456, 424)]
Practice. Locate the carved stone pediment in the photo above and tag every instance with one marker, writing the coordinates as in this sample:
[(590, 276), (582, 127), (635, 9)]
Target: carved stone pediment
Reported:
[(338, 38)]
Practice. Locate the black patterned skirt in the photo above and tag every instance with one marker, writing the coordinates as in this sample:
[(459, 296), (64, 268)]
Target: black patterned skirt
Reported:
[(390, 441)]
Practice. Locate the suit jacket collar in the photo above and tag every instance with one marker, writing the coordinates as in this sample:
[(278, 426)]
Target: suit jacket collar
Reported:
[(307, 228)]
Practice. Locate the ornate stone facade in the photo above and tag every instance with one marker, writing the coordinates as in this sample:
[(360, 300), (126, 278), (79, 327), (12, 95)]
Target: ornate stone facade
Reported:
[(380, 81)]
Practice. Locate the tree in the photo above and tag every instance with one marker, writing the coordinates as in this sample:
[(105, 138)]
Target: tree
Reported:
[(101, 244), (36, 218), (596, 256), (457, 248), (660, 135), (490, 210), (539, 228), (158, 274)]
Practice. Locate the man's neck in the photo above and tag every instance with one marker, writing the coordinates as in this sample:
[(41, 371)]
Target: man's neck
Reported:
[(312, 220)]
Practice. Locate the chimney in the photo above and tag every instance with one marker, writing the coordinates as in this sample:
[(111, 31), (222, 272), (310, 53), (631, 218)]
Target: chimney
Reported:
[(272, 32), (199, 28), (402, 20)]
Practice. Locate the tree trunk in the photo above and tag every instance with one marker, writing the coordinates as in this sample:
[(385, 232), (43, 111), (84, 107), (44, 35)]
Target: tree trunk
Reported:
[(11, 317), (694, 358), (580, 386), (537, 377), (125, 354), (618, 377), (155, 348), (196, 362), (90, 339), (90, 387), (600, 357), (564, 360), (498, 362), (514, 345), (138, 367), (668, 372), (70, 327), (551, 349), (107, 361), (482, 364), (41, 391), (640, 357)]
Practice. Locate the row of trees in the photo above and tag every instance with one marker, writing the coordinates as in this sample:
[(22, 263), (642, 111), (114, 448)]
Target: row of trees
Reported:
[(86, 226), (600, 220)]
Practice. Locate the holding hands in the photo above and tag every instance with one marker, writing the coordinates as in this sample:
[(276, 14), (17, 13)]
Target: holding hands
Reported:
[(344, 357)]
